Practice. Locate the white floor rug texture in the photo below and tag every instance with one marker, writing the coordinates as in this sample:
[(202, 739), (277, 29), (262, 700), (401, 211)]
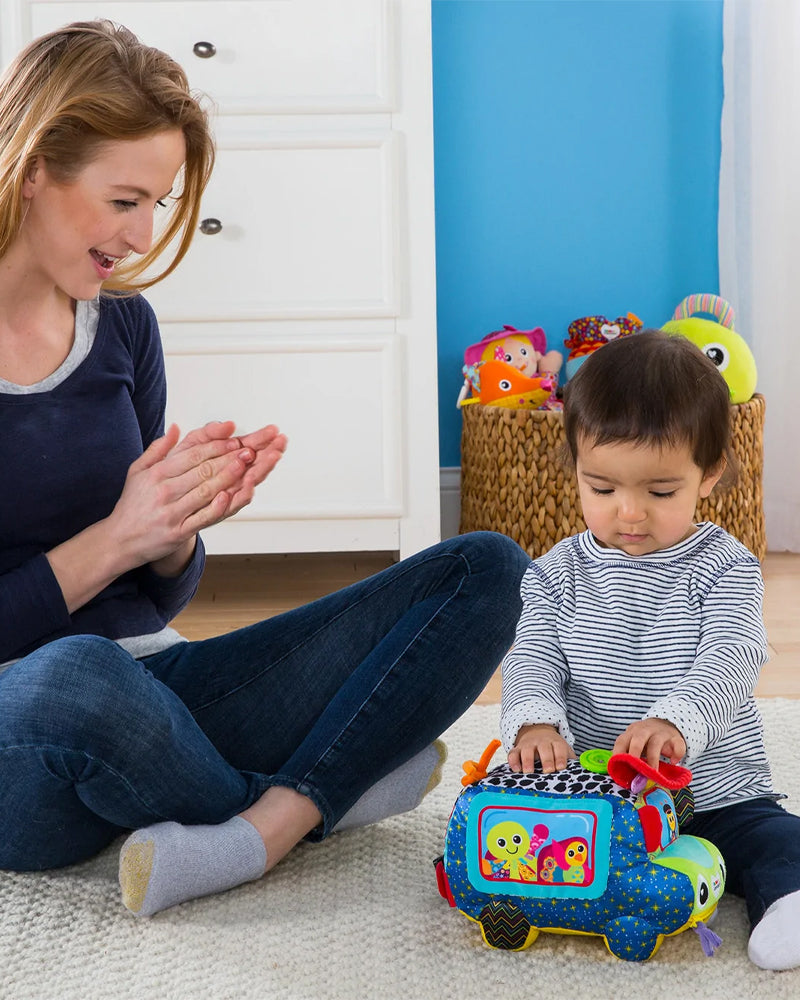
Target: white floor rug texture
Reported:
[(356, 917)]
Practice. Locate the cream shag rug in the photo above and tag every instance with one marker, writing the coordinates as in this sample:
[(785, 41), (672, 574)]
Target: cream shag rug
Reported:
[(356, 917)]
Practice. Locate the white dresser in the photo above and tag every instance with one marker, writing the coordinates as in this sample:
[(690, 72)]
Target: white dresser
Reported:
[(308, 297)]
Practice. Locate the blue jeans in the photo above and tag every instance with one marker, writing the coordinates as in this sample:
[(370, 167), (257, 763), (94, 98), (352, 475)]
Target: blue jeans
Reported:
[(760, 843), (325, 699)]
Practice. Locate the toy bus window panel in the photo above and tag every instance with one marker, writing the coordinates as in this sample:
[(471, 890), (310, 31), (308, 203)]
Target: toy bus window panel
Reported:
[(548, 850)]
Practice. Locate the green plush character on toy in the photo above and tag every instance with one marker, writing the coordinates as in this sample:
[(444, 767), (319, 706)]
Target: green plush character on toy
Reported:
[(717, 340)]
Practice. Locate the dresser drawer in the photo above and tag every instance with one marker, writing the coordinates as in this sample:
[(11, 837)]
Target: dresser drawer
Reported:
[(336, 396), (258, 56), (292, 228)]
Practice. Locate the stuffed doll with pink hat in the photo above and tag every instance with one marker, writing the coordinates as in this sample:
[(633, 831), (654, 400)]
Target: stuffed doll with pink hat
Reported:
[(524, 350)]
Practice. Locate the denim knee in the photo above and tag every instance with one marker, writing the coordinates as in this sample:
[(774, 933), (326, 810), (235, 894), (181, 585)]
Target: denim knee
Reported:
[(495, 553), (70, 692), (498, 564)]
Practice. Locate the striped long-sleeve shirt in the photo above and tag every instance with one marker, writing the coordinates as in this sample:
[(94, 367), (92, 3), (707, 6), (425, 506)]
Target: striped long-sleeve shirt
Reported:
[(606, 639)]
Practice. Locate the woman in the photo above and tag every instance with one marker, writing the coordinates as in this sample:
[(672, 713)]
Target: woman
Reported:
[(221, 755)]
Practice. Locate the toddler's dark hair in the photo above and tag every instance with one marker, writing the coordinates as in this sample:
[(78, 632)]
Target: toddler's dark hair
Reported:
[(652, 388)]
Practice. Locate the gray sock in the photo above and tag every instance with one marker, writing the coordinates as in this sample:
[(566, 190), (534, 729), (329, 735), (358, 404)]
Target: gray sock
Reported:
[(167, 864), (400, 790)]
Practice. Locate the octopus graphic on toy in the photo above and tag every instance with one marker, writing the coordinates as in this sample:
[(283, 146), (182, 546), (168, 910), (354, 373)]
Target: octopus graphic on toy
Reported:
[(511, 368), (593, 849), (590, 332), (717, 339)]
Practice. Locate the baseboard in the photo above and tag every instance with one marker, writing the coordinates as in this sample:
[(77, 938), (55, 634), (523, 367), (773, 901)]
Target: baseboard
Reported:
[(450, 500)]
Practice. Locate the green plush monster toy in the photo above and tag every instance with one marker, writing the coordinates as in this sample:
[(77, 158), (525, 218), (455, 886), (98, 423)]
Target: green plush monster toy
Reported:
[(718, 340)]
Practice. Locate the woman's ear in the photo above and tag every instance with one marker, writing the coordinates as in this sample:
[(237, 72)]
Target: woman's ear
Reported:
[(32, 174), (712, 477)]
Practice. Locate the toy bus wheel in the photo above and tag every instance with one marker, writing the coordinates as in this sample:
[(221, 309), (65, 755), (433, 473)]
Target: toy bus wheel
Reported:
[(504, 925), (633, 939)]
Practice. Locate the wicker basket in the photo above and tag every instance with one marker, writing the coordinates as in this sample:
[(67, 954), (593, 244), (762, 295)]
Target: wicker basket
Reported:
[(513, 480)]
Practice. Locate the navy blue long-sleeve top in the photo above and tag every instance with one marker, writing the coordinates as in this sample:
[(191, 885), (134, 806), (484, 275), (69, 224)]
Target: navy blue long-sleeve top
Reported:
[(64, 455)]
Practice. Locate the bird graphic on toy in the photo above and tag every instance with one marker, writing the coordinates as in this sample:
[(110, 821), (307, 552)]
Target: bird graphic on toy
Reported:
[(718, 340)]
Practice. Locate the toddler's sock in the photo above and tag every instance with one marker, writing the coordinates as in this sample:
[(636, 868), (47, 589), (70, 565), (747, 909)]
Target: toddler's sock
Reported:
[(775, 940), (400, 790), (167, 864)]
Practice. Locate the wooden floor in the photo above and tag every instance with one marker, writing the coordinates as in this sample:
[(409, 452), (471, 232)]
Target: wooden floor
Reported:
[(239, 590)]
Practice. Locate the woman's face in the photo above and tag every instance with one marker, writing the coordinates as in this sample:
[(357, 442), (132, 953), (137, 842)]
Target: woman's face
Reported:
[(76, 232)]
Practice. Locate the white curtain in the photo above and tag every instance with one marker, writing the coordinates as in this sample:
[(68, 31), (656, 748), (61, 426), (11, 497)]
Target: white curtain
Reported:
[(759, 230)]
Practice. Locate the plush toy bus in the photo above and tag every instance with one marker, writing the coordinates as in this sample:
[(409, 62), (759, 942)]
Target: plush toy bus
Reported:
[(588, 850)]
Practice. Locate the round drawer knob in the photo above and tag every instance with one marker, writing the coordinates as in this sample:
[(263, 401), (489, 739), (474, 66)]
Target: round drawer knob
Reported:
[(210, 227), (204, 50)]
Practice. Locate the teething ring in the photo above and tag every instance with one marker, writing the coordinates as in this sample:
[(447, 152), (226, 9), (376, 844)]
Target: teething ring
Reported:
[(595, 760)]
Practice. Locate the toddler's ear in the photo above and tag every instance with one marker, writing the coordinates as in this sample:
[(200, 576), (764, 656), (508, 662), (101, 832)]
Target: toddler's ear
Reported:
[(712, 477)]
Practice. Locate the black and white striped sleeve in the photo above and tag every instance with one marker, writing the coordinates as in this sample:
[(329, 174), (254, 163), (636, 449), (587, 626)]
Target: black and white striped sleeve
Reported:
[(709, 698), (535, 670)]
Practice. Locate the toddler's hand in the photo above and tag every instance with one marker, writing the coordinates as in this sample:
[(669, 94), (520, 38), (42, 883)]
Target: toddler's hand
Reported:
[(652, 739), (544, 742)]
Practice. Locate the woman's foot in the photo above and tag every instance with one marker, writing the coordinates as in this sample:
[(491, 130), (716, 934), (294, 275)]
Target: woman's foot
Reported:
[(400, 790), (167, 864)]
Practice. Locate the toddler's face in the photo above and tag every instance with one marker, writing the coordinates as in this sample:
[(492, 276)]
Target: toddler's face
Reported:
[(640, 498)]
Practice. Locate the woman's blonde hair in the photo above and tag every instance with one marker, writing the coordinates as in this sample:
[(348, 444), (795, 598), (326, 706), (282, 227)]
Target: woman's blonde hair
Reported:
[(86, 84)]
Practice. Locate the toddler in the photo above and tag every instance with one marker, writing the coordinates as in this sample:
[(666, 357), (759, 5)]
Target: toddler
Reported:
[(644, 634)]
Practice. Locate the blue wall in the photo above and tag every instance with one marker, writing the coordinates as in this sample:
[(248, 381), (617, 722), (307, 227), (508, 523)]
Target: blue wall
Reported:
[(577, 160)]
